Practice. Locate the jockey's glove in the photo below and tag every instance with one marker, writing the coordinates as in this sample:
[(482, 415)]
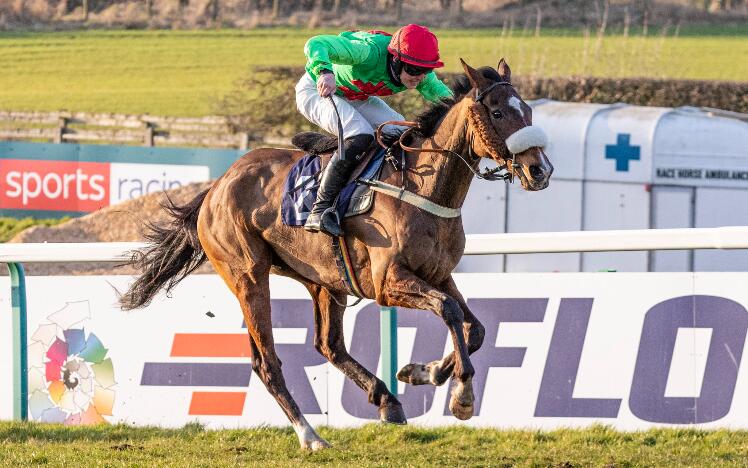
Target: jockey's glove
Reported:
[(391, 136)]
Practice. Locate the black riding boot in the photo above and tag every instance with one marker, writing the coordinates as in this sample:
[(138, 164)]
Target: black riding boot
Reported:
[(323, 216)]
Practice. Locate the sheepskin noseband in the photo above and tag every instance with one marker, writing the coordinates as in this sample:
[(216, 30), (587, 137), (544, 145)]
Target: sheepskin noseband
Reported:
[(526, 138)]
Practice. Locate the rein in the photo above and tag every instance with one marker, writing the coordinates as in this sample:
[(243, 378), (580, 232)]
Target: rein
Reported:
[(509, 166), (487, 174)]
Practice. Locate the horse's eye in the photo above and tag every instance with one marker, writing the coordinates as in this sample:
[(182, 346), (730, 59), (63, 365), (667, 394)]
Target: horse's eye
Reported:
[(497, 114)]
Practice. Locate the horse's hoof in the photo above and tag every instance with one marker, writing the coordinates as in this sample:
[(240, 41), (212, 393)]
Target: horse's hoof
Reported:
[(459, 410), (392, 414), (315, 444), (414, 374)]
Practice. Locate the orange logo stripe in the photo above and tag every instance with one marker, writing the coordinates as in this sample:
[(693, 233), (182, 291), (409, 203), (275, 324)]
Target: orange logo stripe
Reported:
[(217, 403), (211, 345)]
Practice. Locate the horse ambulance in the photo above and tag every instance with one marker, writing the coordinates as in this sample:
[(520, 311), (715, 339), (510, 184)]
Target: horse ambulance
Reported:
[(623, 167)]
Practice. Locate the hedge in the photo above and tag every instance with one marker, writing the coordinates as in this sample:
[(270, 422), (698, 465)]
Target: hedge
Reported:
[(263, 103)]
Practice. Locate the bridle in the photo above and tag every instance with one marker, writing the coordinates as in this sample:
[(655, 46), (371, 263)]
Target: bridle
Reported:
[(509, 167)]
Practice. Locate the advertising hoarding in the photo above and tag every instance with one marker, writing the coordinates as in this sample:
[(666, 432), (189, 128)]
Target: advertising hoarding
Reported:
[(561, 350), (54, 180)]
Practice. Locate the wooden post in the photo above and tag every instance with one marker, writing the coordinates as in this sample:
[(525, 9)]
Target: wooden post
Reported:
[(85, 10), (61, 124), (456, 7), (398, 9), (244, 141), (214, 10), (148, 134), (276, 8)]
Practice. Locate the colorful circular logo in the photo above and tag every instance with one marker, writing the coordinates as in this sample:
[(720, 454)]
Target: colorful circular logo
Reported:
[(70, 378)]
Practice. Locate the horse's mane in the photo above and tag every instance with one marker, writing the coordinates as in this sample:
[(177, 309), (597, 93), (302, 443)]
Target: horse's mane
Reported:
[(429, 120)]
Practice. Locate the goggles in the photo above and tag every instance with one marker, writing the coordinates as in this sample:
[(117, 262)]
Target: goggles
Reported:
[(414, 70)]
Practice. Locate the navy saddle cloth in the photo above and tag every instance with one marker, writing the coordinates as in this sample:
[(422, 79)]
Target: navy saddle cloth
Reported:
[(301, 186)]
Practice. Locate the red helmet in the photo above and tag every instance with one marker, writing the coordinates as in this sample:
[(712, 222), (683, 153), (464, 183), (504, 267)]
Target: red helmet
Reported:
[(416, 45)]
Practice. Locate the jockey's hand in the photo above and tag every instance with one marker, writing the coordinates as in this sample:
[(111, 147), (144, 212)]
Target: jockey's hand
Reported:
[(392, 136), (326, 84)]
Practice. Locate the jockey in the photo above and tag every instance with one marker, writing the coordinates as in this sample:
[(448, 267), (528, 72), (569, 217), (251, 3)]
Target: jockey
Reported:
[(357, 67)]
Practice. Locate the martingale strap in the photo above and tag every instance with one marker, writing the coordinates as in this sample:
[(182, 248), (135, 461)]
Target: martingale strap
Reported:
[(345, 269), (411, 198)]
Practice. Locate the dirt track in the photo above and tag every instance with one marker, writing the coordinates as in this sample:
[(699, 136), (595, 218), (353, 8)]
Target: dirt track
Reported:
[(118, 223)]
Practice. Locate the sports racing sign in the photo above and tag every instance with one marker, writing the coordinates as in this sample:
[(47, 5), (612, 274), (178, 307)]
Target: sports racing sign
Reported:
[(64, 179)]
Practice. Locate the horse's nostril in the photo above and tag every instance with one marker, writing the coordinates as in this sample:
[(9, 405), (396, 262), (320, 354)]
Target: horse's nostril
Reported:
[(536, 172)]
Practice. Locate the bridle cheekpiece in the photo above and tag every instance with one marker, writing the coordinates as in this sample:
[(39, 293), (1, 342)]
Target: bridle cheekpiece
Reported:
[(509, 165), (523, 139)]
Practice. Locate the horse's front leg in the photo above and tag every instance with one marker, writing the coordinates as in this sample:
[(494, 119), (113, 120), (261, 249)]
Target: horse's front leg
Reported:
[(403, 288), (437, 372), (329, 341)]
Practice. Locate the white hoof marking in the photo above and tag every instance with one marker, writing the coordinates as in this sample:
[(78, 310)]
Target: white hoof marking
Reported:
[(308, 438), (434, 368)]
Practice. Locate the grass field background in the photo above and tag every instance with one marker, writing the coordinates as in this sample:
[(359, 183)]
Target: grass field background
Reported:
[(184, 72), (373, 445), (9, 227)]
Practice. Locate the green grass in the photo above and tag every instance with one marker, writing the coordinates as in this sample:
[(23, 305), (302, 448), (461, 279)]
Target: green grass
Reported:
[(23, 444), (9, 227), (183, 72)]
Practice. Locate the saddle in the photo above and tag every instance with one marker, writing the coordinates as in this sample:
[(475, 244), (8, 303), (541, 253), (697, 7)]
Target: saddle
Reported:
[(301, 186), (315, 143), (324, 146)]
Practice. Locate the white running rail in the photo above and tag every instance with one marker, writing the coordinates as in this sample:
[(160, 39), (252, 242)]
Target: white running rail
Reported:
[(731, 237)]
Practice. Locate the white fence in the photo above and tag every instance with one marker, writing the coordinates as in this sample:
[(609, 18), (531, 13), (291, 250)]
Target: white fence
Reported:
[(731, 237)]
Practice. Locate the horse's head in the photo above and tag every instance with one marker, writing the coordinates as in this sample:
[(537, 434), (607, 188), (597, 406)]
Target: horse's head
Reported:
[(500, 126)]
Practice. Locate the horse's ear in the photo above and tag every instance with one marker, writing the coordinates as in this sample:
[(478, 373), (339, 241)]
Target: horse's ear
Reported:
[(504, 71), (472, 74)]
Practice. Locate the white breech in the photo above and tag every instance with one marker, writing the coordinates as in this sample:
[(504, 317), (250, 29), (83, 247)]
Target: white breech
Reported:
[(357, 117)]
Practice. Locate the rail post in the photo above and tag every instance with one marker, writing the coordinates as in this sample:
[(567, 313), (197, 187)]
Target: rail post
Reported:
[(20, 342), (388, 345)]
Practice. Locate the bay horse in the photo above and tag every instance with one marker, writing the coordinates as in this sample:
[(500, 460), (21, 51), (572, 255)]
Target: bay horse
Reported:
[(403, 255)]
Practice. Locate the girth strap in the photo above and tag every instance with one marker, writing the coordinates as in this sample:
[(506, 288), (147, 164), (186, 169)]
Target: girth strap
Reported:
[(345, 269), (411, 198)]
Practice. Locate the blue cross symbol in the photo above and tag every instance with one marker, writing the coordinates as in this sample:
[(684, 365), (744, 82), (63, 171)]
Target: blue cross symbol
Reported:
[(622, 152)]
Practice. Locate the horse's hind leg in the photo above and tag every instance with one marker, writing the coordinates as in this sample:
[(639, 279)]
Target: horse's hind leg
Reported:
[(329, 341), (253, 291), (403, 288), (437, 372)]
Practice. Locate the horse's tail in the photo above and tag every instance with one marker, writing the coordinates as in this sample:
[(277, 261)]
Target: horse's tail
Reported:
[(174, 253)]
